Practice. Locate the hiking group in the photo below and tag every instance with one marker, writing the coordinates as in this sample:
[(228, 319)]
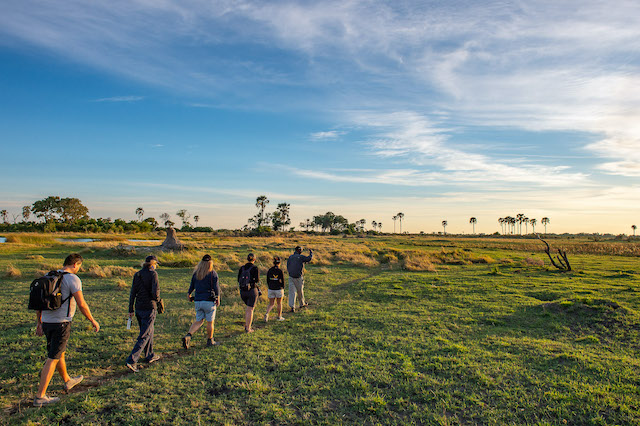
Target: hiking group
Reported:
[(56, 296)]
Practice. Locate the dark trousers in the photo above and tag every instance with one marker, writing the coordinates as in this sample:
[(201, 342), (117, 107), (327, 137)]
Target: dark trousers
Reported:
[(146, 319)]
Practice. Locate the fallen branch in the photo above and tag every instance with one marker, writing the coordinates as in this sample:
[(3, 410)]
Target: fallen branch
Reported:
[(562, 257)]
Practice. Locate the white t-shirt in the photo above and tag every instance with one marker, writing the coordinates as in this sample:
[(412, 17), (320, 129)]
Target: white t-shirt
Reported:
[(70, 284)]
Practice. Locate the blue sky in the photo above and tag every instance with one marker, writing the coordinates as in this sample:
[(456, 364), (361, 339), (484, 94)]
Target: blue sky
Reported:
[(441, 110)]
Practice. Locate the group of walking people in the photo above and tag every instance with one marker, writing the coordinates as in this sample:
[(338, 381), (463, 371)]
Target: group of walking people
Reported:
[(144, 301)]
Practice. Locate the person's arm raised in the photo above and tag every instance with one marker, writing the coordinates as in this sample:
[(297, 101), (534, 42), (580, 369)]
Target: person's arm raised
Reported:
[(84, 308)]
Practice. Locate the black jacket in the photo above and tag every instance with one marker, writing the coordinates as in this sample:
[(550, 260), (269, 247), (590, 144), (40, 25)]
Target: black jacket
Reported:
[(144, 290)]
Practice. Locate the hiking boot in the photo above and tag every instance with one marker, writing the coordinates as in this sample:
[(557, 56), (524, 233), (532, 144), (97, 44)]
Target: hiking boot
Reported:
[(212, 343), (72, 382), (154, 358), (186, 340), (45, 400), (132, 367), (281, 318)]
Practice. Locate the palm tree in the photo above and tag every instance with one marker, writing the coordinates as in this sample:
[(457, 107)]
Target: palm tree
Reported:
[(261, 204), (545, 221), (634, 229), (5, 215), (526, 223), (520, 219), (394, 223), (473, 222), (26, 212), (140, 213), (400, 216), (533, 225), (374, 224), (501, 222), (380, 226), (444, 225), (196, 218)]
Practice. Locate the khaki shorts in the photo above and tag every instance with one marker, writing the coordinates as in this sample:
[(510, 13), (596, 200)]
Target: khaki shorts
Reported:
[(275, 294)]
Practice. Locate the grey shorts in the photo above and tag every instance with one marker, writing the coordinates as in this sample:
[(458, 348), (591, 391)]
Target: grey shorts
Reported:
[(205, 310), (275, 294)]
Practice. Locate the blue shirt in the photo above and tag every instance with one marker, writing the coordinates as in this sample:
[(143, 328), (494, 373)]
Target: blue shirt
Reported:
[(205, 287)]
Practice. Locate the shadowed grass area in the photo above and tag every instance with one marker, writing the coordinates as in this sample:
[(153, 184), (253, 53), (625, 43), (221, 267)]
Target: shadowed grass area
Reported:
[(463, 342)]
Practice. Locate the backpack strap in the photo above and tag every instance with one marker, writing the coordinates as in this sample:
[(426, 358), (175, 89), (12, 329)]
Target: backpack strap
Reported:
[(62, 274)]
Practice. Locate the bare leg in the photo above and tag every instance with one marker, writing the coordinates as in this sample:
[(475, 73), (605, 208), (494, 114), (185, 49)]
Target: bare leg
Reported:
[(62, 368), (195, 326), (210, 330), (248, 318), (279, 300), (272, 302), (45, 376)]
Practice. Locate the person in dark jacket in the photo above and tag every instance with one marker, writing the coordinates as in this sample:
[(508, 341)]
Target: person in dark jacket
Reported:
[(295, 268), (275, 281), (145, 294), (248, 279), (206, 298)]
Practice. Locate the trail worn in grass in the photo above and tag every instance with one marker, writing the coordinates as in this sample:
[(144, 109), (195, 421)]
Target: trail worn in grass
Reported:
[(499, 342)]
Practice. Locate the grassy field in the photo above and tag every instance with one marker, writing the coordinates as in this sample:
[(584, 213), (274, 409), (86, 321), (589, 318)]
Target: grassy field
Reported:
[(402, 329)]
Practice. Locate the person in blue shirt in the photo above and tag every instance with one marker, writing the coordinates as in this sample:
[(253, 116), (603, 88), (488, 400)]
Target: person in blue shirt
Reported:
[(204, 291)]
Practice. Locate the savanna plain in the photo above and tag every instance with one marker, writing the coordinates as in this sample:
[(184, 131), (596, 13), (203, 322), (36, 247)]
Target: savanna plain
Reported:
[(401, 330)]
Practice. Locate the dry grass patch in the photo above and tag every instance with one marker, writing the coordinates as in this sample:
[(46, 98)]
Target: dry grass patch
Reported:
[(121, 284), (417, 261), (534, 262), (98, 271), (12, 272), (356, 258), (34, 257)]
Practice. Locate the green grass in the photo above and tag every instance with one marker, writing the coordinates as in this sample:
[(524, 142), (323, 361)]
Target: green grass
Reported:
[(501, 342)]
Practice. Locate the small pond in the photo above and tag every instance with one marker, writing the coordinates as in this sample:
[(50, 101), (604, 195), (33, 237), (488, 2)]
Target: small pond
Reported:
[(145, 241), (3, 240), (77, 240)]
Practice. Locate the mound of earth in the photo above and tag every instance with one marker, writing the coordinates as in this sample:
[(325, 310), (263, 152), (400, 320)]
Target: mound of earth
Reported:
[(172, 242)]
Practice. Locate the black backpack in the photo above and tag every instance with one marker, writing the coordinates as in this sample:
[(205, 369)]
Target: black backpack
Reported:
[(45, 293), (245, 278)]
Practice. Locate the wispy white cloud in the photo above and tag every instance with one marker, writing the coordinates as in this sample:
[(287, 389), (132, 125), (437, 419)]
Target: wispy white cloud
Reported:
[(327, 135), (120, 99)]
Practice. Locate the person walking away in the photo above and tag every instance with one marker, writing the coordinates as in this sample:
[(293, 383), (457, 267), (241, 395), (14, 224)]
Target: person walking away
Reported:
[(145, 294), (295, 269), (275, 281), (56, 326), (206, 299), (248, 279)]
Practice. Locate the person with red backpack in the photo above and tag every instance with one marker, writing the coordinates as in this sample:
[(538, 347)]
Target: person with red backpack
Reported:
[(55, 324), (248, 279)]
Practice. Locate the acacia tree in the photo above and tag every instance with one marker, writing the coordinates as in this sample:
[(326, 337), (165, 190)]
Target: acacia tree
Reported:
[(166, 219), (184, 216), (71, 209), (140, 213), (473, 222), (46, 208), (444, 226), (26, 212), (545, 221)]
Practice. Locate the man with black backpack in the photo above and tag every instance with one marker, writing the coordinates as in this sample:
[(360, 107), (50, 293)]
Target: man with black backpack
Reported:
[(248, 279), (54, 321)]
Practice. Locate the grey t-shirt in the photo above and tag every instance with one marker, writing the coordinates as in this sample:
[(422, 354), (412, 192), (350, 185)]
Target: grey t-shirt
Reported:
[(70, 284)]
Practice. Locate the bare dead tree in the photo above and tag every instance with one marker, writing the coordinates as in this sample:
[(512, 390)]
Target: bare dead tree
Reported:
[(563, 261)]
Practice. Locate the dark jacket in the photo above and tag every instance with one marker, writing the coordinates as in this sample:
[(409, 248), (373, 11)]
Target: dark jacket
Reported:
[(144, 291), (255, 273), (275, 278), (295, 264), (205, 287)]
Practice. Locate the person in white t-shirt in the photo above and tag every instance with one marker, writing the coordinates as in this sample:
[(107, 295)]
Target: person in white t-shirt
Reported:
[(56, 326)]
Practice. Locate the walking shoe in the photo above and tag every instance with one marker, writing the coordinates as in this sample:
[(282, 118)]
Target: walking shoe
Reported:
[(212, 343), (45, 400), (186, 340), (154, 358), (281, 318), (292, 310), (304, 306), (72, 382), (132, 367)]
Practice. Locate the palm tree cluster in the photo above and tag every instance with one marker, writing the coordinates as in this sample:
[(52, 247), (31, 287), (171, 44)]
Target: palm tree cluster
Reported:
[(399, 216), (512, 225)]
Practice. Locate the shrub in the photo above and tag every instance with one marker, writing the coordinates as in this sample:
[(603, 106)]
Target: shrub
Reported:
[(122, 284), (534, 262)]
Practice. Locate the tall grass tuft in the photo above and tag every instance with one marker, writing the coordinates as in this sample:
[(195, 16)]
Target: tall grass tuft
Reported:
[(12, 272), (417, 261)]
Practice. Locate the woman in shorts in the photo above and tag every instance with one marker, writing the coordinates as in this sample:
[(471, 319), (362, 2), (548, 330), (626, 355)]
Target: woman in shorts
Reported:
[(275, 281), (248, 279), (206, 298)]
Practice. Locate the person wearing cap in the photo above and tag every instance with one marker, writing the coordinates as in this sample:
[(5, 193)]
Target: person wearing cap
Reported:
[(145, 295), (295, 269), (206, 299), (275, 281), (248, 279)]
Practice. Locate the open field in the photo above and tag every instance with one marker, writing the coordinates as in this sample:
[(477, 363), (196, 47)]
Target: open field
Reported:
[(402, 329)]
